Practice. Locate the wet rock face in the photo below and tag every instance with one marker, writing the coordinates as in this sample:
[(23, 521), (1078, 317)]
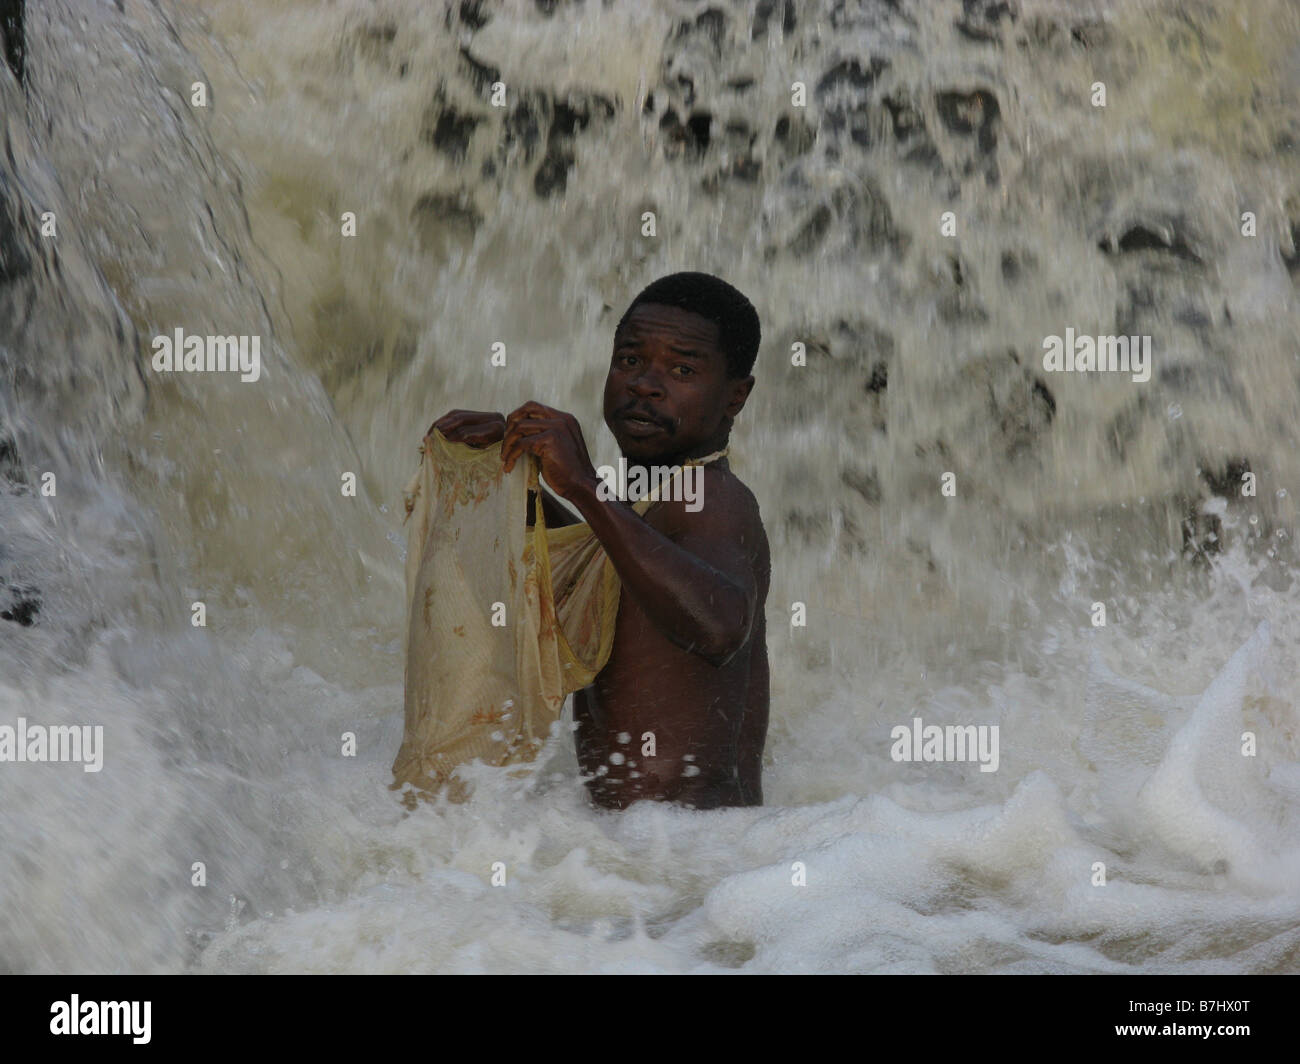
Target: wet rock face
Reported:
[(707, 112), (819, 144)]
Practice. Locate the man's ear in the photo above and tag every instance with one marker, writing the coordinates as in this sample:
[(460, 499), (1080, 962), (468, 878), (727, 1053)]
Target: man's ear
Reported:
[(737, 394)]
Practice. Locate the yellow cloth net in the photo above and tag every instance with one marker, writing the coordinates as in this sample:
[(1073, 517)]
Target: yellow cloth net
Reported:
[(503, 620)]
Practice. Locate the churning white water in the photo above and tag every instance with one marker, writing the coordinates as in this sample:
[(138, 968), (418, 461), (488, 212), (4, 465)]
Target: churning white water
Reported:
[(1123, 744)]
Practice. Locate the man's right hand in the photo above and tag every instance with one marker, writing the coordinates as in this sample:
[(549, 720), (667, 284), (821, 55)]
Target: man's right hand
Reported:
[(478, 428)]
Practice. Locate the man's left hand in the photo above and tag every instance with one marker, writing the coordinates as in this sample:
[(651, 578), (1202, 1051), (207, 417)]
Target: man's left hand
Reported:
[(556, 439)]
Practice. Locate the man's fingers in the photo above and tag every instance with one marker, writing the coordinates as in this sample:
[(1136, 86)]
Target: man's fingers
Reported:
[(521, 444), (531, 410), (533, 426), (511, 448), (451, 418), (461, 426), (522, 431)]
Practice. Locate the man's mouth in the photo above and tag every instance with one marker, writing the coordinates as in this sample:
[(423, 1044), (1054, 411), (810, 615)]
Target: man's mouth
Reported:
[(639, 424)]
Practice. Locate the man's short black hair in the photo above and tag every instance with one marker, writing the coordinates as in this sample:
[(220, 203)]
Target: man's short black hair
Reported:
[(710, 297)]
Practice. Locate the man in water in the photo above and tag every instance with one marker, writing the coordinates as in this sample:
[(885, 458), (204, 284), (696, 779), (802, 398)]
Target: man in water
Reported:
[(689, 660)]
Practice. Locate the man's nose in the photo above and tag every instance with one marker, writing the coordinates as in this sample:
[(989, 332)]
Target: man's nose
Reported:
[(647, 383)]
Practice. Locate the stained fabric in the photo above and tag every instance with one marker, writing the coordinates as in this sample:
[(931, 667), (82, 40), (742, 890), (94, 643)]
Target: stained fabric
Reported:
[(503, 620)]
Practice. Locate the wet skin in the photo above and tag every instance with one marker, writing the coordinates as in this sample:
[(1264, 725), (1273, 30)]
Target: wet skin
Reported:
[(689, 660)]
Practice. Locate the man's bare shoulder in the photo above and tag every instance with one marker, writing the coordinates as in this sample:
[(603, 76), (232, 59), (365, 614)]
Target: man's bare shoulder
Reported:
[(723, 506)]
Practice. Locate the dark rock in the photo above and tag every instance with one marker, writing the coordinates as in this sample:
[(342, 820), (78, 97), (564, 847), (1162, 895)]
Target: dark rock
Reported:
[(523, 126), (745, 168), (1126, 426), (859, 214), (1019, 403), (1292, 261), (1193, 317), (795, 136), (483, 75), (738, 132), (971, 113), (12, 37), (1202, 535), (699, 125), (710, 23), (1058, 35), (812, 232), (846, 104), (867, 14), (437, 215), (451, 132), (568, 117), (1043, 393), (687, 84), (851, 73), (1226, 480), (1015, 263), (21, 604), (380, 33), (1089, 35), (14, 259), (905, 119), (957, 302), (980, 19), (472, 14), (1167, 236), (693, 137), (763, 12), (864, 482), (11, 466), (1140, 300), (552, 176)]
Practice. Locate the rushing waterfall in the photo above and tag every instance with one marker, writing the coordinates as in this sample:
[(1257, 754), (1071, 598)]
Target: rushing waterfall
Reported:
[(924, 200)]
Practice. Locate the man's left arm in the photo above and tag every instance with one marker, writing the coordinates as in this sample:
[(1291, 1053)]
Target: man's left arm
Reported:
[(697, 586)]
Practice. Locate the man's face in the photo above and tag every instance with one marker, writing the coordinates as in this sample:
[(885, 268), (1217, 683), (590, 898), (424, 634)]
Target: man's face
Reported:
[(668, 368)]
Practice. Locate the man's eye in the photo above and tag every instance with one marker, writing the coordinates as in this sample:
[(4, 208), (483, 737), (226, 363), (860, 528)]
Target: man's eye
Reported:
[(685, 370)]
